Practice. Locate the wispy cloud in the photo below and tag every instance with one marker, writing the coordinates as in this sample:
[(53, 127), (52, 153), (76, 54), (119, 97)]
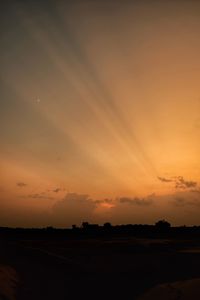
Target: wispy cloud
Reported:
[(109, 201), (184, 184), (180, 182), (39, 196), (136, 201), (197, 190), (163, 179), (182, 201), (21, 184), (57, 190)]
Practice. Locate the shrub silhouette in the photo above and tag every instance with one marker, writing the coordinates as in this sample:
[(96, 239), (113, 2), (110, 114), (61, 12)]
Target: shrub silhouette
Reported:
[(107, 225)]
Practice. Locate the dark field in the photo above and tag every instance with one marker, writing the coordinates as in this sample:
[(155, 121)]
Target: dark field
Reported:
[(94, 268)]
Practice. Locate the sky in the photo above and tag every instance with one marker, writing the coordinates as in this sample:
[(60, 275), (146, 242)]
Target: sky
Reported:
[(99, 112)]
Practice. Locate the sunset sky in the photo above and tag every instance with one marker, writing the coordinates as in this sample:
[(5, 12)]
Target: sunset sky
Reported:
[(99, 112)]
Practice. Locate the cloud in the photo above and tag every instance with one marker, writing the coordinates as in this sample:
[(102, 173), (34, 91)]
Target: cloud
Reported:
[(109, 201), (21, 184), (39, 196), (57, 190), (196, 191), (184, 184), (73, 209), (182, 201), (136, 201), (76, 208), (179, 201), (180, 207), (180, 182), (163, 179)]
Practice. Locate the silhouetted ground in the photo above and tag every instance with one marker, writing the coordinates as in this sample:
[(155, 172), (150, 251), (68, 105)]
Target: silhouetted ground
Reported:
[(107, 267)]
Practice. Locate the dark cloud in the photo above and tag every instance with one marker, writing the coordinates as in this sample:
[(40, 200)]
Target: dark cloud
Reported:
[(185, 199), (184, 184), (180, 207), (21, 184), (136, 201), (39, 196), (128, 200), (179, 201), (180, 182), (57, 190), (73, 209), (196, 191), (76, 208), (110, 201), (163, 179)]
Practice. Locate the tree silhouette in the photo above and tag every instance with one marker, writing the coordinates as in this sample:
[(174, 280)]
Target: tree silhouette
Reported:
[(85, 225), (107, 225), (162, 224)]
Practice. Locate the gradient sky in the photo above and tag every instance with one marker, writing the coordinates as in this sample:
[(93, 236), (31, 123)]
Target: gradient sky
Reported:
[(99, 112)]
